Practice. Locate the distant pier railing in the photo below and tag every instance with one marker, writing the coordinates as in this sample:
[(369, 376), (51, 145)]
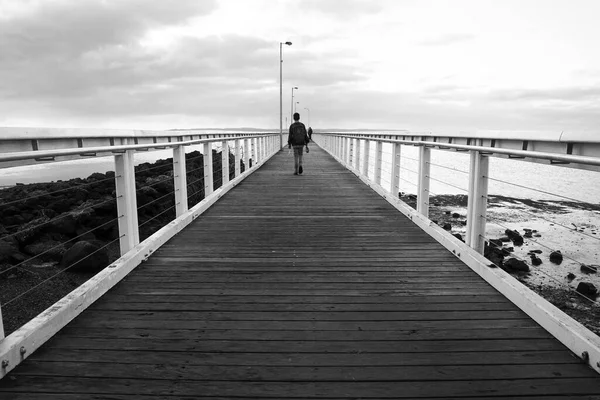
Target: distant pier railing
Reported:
[(240, 155)]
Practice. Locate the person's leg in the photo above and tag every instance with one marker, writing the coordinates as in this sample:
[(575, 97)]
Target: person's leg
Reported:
[(300, 152), (296, 160)]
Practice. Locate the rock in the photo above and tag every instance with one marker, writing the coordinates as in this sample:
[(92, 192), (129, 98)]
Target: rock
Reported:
[(571, 276), (66, 224), (495, 243), (496, 259), (504, 239), (535, 251), (516, 265), (8, 250), (447, 227), (464, 223), (535, 260), (528, 235), (514, 236), (447, 212), (587, 289), (85, 256), (49, 250), (455, 215), (589, 269), (458, 236), (556, 257)]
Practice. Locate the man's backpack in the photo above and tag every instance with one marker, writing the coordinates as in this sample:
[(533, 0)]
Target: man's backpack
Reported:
[(299, 135)]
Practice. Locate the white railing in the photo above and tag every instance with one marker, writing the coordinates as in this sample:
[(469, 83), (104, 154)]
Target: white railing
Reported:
[(25, 148), (363, 154)]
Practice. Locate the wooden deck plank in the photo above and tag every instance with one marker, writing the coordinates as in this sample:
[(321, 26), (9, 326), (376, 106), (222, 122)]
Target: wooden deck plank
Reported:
[(307, 287)]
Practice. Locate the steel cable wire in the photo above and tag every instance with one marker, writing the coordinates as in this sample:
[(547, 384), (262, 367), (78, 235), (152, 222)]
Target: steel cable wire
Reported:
[(58, 273), (63, 215), (489, 241), (158, 215), (449, 168), (77, 186), (535, 190), (59, 245)]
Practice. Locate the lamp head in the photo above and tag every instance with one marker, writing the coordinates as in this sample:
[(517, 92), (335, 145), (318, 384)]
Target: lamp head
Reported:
[(295, 87), (288, 43)]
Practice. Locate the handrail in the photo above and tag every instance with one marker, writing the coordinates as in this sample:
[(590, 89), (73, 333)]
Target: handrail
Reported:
[(575, 159), (28, 155)]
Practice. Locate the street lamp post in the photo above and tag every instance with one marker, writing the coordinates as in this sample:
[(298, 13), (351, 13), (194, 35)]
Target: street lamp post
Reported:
[(281, 92), (296, 106), (308, 109), (292, 105)]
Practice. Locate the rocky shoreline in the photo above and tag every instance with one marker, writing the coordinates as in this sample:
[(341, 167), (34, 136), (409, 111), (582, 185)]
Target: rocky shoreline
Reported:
[(580, 302), (54, 236)]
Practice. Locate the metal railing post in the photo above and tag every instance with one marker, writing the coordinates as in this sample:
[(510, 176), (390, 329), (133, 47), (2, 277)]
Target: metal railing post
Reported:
[(237, 157), (479, 211), (1, 325), (208, 169), (126, 201), (423, 187), (350, 152), (357, 161), (366, 158), (224, 162), (378, 155), (180, 180), (395, 172), (247, 155), (471, 197)]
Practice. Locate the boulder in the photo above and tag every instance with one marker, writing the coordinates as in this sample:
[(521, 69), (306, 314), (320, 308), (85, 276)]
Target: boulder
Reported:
[(8, 251), (447, 227), (571, 276), (49, 250), (587, 289), (556, 257), (455, 215), (514, 236), (458, 236), (512, 264), (86, 257), (535, 260), (65, 224), (589, 269)]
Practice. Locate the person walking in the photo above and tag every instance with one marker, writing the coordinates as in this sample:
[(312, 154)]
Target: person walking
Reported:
[(309, 133), (298, 139)]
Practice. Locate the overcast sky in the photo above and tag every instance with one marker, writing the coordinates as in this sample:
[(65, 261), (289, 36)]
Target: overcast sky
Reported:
[(444, 66)]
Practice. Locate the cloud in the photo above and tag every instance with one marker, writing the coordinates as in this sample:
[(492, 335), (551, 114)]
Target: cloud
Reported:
[(447, 40), (574, 93), (342, 9)]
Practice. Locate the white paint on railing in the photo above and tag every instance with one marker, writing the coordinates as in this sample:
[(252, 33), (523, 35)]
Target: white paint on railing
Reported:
[(126, 201), (395, 171), (225, 162), (424, 182), (208, 169), (237, 157), (180, 181)]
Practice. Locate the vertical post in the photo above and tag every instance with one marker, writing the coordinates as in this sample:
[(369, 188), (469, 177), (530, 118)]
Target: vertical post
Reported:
[(378, 154), (224, 162), (208, 169), (423, 187), (357, 162), (479, 203), (1, 326), (395, 173), (471, 198), (126, 201), (180, 180), (247, 155), (237, 157), (366, 158), (350, 152)]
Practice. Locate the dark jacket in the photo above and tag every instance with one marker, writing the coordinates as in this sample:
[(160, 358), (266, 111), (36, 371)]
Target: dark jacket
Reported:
[(297, 135)]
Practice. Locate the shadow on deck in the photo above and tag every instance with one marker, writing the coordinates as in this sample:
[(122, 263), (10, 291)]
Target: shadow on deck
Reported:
[(305, 286)]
